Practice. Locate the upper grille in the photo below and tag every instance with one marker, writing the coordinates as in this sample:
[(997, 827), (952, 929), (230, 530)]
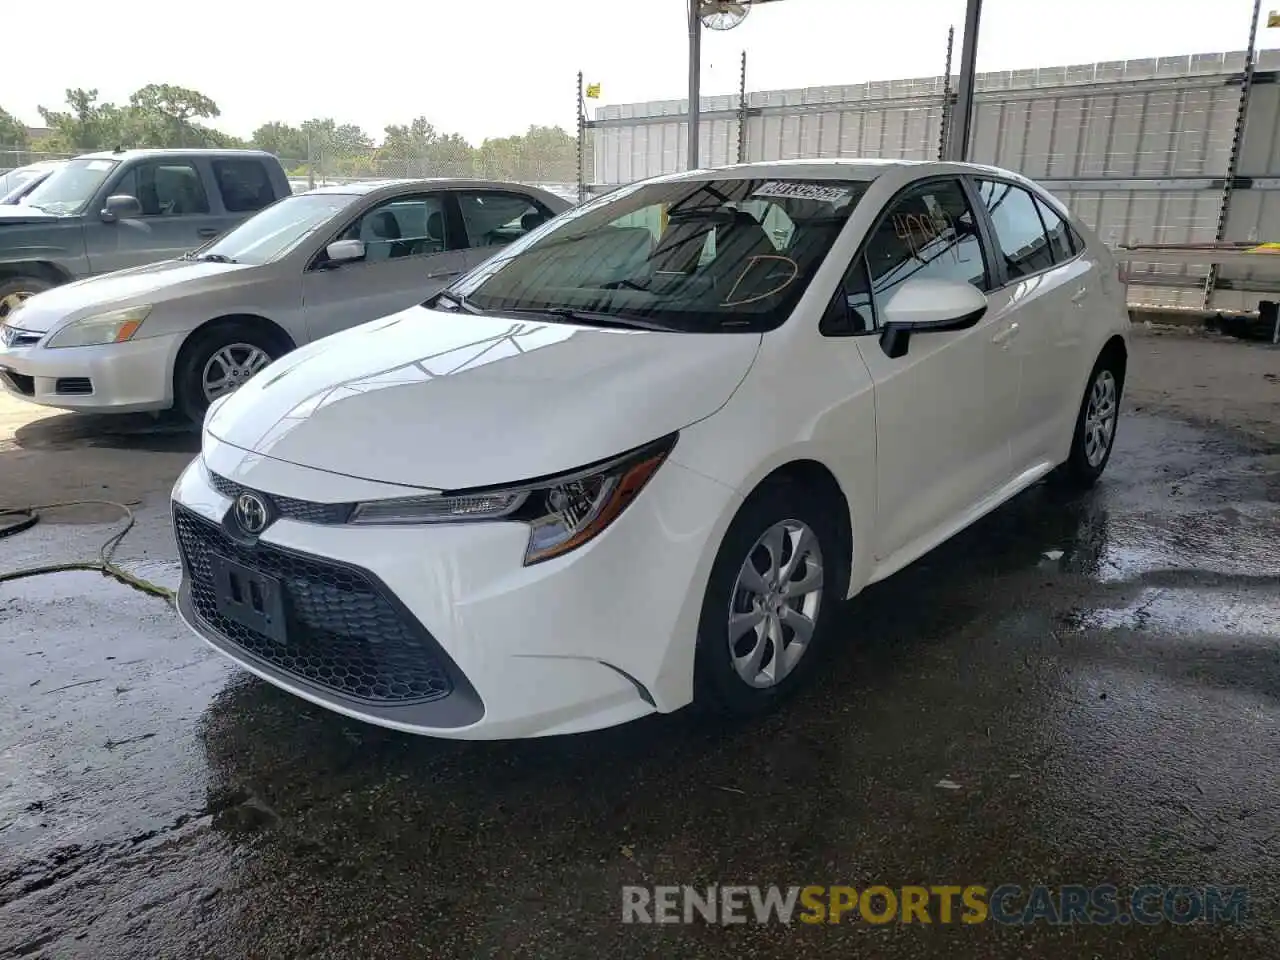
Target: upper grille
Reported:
[(344, 634), (16, 337), (301, 510)]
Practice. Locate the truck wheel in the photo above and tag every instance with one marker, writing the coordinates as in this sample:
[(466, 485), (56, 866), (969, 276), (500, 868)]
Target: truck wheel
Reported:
[(17, 289), (217, 361)]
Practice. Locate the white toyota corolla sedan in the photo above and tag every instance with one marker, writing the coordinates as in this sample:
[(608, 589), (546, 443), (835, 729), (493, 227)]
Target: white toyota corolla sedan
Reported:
[(643, 454)]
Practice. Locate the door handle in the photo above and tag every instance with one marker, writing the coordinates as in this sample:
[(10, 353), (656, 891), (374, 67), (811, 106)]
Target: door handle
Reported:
[(443, 276), (208, 232), (1008, 333), (1079, 295)]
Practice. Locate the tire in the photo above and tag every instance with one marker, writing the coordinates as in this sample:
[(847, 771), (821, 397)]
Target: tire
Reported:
[(793, 508), (16, 289), (239, 339), (1091, 451)]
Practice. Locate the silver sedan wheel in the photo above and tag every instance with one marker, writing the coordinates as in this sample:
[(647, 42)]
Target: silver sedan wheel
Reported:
[(775, 604), (10, 301), (230, 367), (1100, 418)]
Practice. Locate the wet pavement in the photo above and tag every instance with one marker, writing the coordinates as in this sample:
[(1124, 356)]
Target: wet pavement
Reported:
[(1094, 681)]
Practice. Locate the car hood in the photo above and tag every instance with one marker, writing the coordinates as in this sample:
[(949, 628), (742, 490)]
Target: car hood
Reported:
[(22, 213), (153, 283), (446, 401)]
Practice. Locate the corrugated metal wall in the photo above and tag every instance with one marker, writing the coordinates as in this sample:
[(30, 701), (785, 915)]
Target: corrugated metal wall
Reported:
[(1139, 148)]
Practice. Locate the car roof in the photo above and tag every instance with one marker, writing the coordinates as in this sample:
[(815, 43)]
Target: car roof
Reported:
[(393, 185), (834, 168), (176, 151)]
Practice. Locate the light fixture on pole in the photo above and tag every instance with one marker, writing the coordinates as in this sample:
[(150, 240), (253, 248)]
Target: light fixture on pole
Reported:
[(714, 15)]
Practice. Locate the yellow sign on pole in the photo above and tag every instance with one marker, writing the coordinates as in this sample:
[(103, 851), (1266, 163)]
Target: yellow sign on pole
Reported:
[(593, 91), (1273, 19)]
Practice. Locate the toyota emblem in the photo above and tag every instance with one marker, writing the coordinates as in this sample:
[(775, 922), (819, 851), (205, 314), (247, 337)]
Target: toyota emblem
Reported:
[(251, 513)]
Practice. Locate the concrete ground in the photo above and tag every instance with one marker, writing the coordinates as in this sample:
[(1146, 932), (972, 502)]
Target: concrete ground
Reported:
[(1075, 691)]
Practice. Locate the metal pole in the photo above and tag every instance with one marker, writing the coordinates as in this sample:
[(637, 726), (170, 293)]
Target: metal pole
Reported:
[(695, 82), (946, 95), (582, 136), (962, 121), (1237, 143), (742, 110)]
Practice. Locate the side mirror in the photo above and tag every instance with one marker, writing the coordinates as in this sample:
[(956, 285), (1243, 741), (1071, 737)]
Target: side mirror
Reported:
[(343, 251), (928, 306), (121, 207)]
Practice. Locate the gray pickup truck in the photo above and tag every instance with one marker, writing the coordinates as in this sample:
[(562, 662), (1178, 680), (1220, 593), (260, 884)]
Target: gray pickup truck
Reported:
[(107, 211)]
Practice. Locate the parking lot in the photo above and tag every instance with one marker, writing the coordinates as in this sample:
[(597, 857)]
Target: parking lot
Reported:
[(1073, 691)]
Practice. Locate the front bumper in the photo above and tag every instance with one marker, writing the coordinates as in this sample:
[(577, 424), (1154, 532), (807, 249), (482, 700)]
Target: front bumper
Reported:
[(441, 630), (110, 378)]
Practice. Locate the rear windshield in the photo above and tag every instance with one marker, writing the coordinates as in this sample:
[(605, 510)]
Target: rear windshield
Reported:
[(696, 256)]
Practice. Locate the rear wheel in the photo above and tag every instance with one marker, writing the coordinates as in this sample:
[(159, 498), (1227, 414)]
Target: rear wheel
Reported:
[(16, 290), (773, 592), (1095, 432), (218, 361)]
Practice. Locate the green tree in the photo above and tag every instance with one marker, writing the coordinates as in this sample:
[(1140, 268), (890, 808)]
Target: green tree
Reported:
[(13, 132), (166, 115), (418, 149), (285, 141), (86, 125), (542, 154)]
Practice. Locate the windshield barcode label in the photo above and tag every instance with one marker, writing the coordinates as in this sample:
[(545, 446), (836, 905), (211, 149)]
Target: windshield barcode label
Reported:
[(802, 191)]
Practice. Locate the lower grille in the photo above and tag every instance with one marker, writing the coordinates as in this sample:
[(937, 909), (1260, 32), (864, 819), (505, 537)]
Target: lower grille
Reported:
[(73, 386), (23, 384), (345, 635)]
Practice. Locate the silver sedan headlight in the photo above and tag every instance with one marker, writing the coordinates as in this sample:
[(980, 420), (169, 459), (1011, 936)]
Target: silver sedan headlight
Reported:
[(116, 326), (562, 512)]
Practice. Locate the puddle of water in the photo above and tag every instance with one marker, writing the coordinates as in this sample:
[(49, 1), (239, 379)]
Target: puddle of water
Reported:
[(1188, 611)]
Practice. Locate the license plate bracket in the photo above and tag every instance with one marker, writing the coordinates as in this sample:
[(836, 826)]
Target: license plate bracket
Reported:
[(249, 598)]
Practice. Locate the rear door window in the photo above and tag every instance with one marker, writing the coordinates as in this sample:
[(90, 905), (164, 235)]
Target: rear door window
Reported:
[(1058, 232), (244, 185), (1020, 234), (494, 219)]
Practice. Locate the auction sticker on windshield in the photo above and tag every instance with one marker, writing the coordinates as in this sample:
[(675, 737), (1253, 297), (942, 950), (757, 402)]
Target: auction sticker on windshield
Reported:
[(803, 191), (99, 165)]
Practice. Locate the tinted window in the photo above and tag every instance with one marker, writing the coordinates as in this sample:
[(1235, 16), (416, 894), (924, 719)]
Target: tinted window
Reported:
[(495, 219), (695, 255), (930, 231), (1019, 232), (402, 227), (1058, 232), (164, 188), (244, 184)]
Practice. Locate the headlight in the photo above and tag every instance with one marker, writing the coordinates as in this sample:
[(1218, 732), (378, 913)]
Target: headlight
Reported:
[(114, 327), (562, 512)]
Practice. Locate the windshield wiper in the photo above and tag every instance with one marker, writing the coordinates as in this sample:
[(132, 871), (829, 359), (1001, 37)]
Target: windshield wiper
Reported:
[(587, 318), (209, 257), (459, 302)]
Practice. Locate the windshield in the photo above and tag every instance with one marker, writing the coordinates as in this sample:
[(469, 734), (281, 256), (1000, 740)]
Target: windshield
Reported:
[(72, 186), (698, 256), (277, 229)]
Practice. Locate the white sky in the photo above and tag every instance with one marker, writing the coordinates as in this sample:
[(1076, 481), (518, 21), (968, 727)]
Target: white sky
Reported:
[(491, 67)]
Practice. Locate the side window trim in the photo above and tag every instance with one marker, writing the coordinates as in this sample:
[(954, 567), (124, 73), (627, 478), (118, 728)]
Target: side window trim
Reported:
[(991, 264), (1036, 202)]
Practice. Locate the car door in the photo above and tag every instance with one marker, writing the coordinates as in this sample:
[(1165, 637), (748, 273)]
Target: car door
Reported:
[(412, 249), (494, 218), (943, 410), (244, 187), (1038, 306), (176, 216)]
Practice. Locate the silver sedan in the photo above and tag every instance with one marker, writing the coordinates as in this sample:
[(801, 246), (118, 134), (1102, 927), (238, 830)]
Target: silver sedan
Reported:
[(181, 333)]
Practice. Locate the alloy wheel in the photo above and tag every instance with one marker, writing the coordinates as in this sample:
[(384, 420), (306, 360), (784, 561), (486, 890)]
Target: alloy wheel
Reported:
[(230, 367), (775, 604), (1100, 418), (11, 301)]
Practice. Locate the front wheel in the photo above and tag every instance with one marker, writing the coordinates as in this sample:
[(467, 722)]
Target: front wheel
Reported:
[(218, 361), (1095, 432), (773, 593)]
